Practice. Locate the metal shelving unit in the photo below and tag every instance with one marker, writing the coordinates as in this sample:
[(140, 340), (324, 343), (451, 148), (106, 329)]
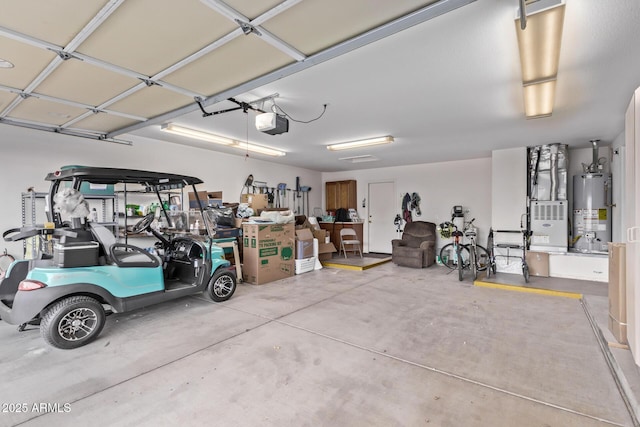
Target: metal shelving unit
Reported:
[(31, 209)]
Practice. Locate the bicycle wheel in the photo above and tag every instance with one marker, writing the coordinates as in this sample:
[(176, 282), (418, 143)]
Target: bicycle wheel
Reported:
[(473, 262), (462, 258), (448, 256), (460, 263), (491, 264), (483, 259), (525, 271)]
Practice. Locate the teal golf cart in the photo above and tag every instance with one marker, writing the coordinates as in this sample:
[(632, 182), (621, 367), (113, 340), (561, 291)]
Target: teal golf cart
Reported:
[(90, 274)]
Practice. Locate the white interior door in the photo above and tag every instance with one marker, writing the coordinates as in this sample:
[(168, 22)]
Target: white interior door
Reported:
[(382, 211)]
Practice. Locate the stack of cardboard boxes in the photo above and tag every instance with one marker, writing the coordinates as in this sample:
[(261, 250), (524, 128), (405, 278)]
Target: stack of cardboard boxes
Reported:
[(306, 234)]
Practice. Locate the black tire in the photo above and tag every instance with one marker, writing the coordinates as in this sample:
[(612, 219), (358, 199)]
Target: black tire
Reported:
[(525, 272), (473, 264), (222, 285), (447, 256), (461, 263), (491, 263), (72, 322)]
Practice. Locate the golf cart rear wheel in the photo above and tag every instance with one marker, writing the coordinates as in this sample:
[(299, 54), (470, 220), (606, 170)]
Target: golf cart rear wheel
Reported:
[(222, 285), (72, 322)]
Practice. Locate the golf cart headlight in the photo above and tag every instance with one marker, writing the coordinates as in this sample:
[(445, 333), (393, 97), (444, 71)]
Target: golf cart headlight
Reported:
[(30, 285)]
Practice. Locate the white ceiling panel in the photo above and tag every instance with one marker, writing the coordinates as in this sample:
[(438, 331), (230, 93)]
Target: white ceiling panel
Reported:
[(5, 99), (252, 9), (85, 83), (101, 121), (43, 111), (28, 61), (148, 36), (57, 21), (242, 59), (314, 25), (150, 102)]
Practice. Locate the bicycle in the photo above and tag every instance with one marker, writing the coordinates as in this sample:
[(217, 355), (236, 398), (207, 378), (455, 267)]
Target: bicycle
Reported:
[(457, 255)]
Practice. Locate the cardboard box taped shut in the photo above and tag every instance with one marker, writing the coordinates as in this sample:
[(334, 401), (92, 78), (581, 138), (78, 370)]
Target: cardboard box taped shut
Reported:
[(268, 252)]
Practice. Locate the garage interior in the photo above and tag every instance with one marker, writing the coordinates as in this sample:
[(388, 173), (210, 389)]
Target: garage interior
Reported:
[(445, 85)]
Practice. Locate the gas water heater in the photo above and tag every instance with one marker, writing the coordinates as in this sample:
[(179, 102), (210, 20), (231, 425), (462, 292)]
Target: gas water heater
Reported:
[(591, 212), (592, 206)]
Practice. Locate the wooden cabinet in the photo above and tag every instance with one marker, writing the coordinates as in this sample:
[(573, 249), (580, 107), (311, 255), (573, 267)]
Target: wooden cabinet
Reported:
[(341, 194), (334, 230)]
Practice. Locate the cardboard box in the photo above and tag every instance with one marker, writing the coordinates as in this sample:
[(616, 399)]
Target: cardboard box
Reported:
[(304, 243), (321, 235), (255, 201), (268, 252), (325, 251), (617, 291), (305, 265), (538, 263), (207, 198)]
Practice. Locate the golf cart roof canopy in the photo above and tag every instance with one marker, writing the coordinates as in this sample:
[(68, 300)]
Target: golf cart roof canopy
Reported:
[(96, 175)]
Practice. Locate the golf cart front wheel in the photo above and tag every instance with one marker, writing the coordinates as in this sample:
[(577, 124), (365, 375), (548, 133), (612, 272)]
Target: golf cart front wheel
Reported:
[(222, 285), (72, 322)]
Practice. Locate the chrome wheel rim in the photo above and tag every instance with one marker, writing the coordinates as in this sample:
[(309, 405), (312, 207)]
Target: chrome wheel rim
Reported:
[(77, 324), (223, 286)]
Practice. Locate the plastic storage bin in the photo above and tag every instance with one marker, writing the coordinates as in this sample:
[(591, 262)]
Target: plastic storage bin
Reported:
[(76, 254)]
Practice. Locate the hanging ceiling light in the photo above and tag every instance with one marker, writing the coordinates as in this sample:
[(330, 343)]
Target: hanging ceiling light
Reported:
[(362, 143), (222, 140), (539, 46)]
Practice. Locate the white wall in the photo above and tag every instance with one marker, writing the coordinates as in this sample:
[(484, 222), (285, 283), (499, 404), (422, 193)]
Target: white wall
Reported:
[(28, 155), (440, 186), (508, 188)]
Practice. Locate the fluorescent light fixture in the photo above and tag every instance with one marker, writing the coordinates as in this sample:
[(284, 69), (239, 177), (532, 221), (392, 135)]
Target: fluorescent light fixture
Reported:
[(362, 143), (539, 46), (197, 134), (259, 149), (222, 140), (360, 159)]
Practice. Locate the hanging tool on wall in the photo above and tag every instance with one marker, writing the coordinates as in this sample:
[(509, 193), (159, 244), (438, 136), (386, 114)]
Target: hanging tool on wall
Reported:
[(297, 196), (282, 195), (305, 199), (271, 196)]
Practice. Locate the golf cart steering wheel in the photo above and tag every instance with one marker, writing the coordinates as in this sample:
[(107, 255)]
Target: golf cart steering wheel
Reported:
[(144, 223)]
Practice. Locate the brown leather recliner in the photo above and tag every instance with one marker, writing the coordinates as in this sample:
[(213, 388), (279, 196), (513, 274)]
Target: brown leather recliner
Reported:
[(417, 248)]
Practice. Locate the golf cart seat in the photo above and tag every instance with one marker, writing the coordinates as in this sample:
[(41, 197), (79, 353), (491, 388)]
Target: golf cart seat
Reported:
[(105, 237)]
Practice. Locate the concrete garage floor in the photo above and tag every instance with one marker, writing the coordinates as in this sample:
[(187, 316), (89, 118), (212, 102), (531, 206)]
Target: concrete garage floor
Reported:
[(388, 346)]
